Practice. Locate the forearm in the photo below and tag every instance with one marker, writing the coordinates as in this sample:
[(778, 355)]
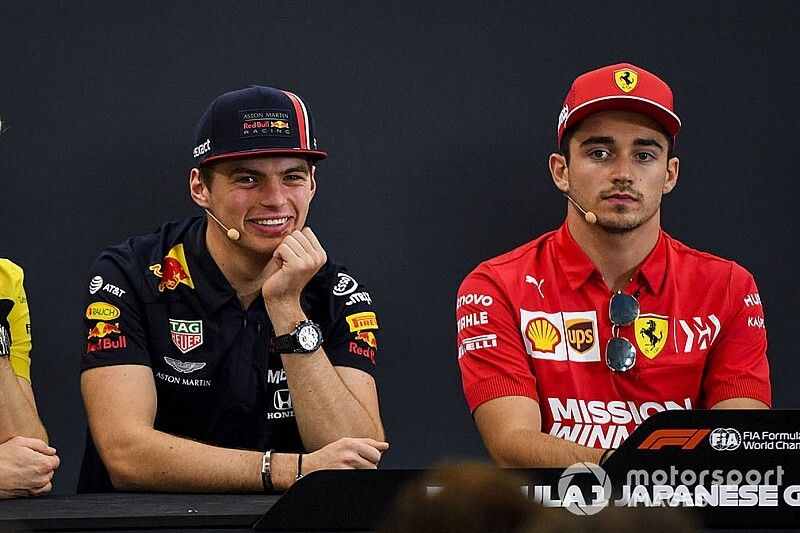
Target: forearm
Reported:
[(530, 448), (18, 416), (152, 460), (325, 408)]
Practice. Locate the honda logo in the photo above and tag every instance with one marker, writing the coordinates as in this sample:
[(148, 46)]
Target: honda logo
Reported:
[(282, 400)]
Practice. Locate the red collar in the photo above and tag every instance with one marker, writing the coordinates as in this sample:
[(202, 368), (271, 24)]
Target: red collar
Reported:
[(578, 268)]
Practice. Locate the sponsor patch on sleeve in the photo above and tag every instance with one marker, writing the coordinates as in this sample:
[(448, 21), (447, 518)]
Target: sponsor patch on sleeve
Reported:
[(362, 321), (102, 311)]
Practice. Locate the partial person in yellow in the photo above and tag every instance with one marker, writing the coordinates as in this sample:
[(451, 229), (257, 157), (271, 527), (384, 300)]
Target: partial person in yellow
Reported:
[(27, 462)]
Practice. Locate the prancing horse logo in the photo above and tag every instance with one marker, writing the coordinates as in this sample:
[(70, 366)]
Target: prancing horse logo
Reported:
[(626, 79), (652, 332)]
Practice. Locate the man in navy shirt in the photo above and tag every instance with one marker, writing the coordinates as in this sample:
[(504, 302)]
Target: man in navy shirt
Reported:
[(227, 352)]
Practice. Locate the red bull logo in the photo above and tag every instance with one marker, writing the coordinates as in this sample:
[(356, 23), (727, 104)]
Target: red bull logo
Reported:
[(102, 329), (174, 271), (368, 337), (107, 344), (369, 353), (280, 124)]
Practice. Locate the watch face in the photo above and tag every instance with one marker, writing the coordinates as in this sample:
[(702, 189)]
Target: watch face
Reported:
[(308, 337)]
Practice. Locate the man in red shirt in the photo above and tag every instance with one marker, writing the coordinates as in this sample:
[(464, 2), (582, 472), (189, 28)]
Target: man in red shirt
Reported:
[(567, 343)]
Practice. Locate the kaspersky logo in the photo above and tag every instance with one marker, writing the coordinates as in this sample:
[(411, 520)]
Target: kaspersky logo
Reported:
[(175, 270)]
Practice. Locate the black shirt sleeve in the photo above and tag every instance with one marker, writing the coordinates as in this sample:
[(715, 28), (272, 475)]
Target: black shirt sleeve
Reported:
[(113, 312), (351, 335)]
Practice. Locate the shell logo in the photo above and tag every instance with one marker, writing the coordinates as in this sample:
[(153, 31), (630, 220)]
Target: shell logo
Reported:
[(543, 335)]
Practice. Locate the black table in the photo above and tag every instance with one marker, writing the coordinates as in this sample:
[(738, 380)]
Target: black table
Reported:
[(85, 512)]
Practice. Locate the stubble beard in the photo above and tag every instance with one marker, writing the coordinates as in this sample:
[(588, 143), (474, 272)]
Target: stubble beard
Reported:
[(618, 223)]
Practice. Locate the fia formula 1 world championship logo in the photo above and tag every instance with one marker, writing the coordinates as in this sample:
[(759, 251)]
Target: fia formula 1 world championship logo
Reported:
[(570, 493), (725, 439)]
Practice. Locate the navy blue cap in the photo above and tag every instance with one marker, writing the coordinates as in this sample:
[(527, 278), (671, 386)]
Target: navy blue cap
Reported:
[(255, 121)]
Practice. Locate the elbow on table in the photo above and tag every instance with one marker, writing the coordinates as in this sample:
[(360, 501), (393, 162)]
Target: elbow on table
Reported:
[(126, 467), (125, 475)]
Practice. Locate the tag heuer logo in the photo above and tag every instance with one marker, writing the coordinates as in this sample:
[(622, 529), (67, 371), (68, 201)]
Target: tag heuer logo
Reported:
[(186, 334)]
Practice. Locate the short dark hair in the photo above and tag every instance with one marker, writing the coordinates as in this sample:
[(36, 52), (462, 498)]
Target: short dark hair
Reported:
[(569, 133), (206, 174)]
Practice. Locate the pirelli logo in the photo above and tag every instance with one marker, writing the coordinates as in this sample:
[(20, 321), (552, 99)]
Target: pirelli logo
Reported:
[(362, 321), (685, 439)]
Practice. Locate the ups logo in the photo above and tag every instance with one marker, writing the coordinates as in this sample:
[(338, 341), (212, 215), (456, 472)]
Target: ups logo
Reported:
[(580, 334)]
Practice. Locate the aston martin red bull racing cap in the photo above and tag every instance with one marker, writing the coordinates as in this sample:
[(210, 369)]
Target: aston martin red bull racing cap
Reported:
[(622, 86), (254, 121)]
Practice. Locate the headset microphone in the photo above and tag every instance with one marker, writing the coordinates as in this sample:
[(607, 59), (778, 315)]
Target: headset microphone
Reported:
[(590, 217), (232, 233)]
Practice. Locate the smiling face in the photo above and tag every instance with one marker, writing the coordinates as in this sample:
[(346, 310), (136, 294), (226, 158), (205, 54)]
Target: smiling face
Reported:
[(264, 198), (619, 168)]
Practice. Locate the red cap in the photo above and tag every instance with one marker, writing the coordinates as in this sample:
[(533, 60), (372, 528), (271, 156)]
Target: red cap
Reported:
[(622, 86)]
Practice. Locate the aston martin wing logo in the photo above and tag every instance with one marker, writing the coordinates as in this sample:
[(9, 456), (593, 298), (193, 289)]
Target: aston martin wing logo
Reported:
[(184, 367)]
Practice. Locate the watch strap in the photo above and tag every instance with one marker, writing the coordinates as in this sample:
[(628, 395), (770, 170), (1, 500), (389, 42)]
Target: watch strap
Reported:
[(290, 343), (286, 343)]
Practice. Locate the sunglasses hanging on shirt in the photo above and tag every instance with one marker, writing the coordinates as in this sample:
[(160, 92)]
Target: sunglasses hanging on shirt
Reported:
[(623, 309)]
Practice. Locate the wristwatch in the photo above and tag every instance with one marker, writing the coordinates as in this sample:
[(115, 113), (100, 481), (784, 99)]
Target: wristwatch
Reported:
[(306, 338)]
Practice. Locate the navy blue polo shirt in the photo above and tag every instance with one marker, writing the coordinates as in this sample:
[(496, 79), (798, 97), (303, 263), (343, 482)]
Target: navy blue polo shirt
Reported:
[(160, 300)]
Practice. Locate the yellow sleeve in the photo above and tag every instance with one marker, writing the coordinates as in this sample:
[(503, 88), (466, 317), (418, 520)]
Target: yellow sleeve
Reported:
[(15, 322)]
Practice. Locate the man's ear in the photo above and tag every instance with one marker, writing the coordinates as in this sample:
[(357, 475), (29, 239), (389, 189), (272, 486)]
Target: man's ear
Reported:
[(671, 178), (313, 182), (559, 172), (198, 189)]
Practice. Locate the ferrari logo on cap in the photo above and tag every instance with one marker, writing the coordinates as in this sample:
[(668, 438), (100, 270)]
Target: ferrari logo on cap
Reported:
[(651, 334), (626, 79)]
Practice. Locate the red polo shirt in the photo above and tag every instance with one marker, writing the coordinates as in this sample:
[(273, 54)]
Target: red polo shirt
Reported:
[(534, 322)]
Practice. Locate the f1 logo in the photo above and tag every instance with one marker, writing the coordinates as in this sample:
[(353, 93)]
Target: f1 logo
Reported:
[(686, 439), (282, 400)]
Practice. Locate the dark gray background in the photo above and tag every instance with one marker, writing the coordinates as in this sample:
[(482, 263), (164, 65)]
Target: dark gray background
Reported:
[(438, 118)]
